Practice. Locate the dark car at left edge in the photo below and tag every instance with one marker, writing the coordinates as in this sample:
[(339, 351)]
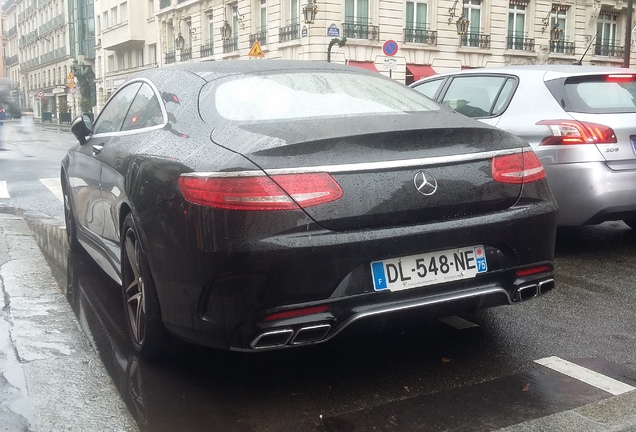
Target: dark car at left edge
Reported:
[(257, 205)]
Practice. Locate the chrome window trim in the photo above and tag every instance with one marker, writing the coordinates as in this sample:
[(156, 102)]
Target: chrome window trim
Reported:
[(366, 166), (164, 112)]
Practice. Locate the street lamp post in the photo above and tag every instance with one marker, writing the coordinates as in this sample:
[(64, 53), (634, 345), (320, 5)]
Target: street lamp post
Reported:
[(628, 33)]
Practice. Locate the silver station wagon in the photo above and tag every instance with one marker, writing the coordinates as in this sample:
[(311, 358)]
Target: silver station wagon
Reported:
[(580, 121)]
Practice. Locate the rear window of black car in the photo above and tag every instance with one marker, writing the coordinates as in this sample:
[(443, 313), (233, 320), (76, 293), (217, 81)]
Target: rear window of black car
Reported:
[(599, 94), (303, 95)]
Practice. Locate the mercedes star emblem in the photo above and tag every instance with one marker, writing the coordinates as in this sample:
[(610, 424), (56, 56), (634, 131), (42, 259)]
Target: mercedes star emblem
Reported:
[(425, 183)]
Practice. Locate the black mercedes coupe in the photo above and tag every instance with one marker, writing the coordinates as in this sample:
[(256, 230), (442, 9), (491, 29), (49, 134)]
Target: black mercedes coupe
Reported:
[(254, 205)]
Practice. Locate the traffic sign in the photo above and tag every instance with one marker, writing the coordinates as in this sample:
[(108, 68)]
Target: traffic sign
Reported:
[(390, 63), (390, 48), (256, 50), (40, 94)]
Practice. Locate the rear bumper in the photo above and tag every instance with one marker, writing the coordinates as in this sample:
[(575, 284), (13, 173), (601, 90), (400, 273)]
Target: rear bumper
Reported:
[(590, 192), (319, 267)]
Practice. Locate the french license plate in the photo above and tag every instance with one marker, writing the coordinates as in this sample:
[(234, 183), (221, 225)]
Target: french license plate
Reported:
[(428, 269)]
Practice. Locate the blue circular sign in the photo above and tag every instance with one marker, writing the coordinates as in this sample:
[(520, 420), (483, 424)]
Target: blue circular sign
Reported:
[(390, 48)]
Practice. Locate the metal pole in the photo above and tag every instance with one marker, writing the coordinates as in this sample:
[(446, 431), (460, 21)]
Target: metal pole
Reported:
[(628, 33)]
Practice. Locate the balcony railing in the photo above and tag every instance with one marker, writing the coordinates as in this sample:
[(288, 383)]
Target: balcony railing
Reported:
[(170, 57), (289, 32), (519, 43), (207, 50), (353, 30), (230, 45), (476, 40), (186, 54), (609, 50), (260, 36), (420, 36), (8, 61), (562, 48)]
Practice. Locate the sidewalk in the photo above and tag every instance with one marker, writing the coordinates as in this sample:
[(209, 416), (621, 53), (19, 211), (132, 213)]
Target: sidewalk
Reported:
[(51, 378)]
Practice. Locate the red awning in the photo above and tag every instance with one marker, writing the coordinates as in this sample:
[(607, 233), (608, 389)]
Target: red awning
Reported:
[(364, 65), (420, 71)]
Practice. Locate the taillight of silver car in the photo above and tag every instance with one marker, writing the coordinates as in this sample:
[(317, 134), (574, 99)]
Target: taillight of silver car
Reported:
[(260, 192), (572, 132), (524, 167)]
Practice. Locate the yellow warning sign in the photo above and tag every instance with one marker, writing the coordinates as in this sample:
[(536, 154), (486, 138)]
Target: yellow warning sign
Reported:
[(256, 50)]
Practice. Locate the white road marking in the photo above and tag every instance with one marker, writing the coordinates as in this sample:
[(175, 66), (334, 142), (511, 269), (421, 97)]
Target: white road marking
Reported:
[(4, 192), (458, 322), (588, 376), (54, 185)]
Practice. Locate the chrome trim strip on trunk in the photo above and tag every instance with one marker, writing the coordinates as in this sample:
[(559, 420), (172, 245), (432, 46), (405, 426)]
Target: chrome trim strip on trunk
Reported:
[(365, 166)]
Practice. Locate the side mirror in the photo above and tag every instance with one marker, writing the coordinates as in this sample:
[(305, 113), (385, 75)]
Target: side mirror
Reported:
[(82, 127)]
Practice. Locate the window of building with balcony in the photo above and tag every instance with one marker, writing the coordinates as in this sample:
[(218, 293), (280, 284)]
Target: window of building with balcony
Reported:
[(123, 11), (113, 16), (357, 24), (472, 12), (105, 20), (606, 27), (558, 31), (517, 38), (261, 31), (416, 26)]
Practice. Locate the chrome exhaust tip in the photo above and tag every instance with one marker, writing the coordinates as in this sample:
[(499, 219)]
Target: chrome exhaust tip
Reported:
[(271, 339), (527, 292), (311, 334), (546, 285)]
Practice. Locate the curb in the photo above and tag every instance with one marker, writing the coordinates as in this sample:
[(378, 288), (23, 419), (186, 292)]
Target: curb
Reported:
[(57, 380)]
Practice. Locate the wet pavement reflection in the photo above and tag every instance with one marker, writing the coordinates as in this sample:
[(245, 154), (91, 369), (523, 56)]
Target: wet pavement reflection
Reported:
[(430, 377)]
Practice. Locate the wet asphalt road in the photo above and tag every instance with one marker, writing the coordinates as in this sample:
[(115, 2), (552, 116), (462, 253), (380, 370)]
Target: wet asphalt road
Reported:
[(426, 377)]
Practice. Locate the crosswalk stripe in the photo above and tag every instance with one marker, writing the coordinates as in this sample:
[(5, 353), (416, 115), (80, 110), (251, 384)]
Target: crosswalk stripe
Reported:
[(588, 376), (4, 192), (54, 185)]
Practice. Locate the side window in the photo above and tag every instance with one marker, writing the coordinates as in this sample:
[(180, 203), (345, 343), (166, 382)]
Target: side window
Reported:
[(429, 88), (145, 110), (505, 96), (113, 114), (472, 95)]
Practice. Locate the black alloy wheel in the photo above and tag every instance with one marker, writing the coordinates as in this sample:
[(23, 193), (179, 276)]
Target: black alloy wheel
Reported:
[(141, 304), (69, 219)]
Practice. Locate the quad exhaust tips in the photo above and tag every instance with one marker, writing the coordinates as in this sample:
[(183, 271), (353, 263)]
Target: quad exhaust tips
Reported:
[(532, 290)]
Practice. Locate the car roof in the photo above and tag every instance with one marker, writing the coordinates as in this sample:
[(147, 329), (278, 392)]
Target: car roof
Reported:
[(209, 70), (548, 72)]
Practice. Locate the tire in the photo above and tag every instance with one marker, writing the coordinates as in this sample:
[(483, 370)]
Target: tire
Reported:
[(631, 223), (141, 303), (69, 219)]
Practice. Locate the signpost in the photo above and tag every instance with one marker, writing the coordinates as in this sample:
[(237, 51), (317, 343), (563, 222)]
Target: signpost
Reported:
[(390, 48)]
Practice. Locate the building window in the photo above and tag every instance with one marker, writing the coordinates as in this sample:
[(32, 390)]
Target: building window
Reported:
[(263, 14), (558, 26), (105, 20), (472, 12), (152, 54), (517, 39), (123, 11), (416, 15), (357, 11), (113, 16), (606, 34), (151, 8), (111, 63), (294, 11)]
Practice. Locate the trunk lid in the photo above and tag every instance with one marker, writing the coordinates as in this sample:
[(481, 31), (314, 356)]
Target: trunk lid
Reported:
[(446, 156)]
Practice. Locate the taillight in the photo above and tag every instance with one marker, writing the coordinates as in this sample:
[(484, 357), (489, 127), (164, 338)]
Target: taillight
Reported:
[(533, 270), (620, 77), (568, 132), (517, 168), (278, 192)]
